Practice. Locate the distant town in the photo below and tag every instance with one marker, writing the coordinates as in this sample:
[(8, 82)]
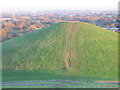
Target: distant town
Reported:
[(15, 24)]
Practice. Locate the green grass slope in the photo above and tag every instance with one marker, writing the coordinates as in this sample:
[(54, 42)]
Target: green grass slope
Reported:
[(67, 49)]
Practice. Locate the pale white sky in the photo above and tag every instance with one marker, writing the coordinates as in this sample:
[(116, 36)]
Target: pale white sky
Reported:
[(61, 4)]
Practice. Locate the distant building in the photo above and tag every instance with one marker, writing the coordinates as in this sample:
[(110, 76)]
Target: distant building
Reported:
[(14, 17), (116, 31)]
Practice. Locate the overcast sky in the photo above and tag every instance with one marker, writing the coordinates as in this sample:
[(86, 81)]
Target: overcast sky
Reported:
[(61, 4)]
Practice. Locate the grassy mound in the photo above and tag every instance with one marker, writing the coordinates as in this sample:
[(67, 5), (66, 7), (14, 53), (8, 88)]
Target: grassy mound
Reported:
[(72, 49)]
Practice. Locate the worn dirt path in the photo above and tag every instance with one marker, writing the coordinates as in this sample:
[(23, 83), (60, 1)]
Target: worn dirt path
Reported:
[(68, 52)]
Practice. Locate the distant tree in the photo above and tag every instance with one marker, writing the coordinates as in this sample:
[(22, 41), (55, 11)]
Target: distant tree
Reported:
[(21, 25), (112, 25), (5, 24), (118, 24), (32, 27)]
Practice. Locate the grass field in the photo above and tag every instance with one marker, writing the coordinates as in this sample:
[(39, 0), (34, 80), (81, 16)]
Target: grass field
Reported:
[(64, 51)]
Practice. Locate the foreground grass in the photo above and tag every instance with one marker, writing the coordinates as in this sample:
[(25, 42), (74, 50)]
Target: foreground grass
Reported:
[(35, 79), (37, 75)]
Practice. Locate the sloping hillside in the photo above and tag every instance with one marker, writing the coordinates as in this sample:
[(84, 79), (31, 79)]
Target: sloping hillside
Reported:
[(75, 49)]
